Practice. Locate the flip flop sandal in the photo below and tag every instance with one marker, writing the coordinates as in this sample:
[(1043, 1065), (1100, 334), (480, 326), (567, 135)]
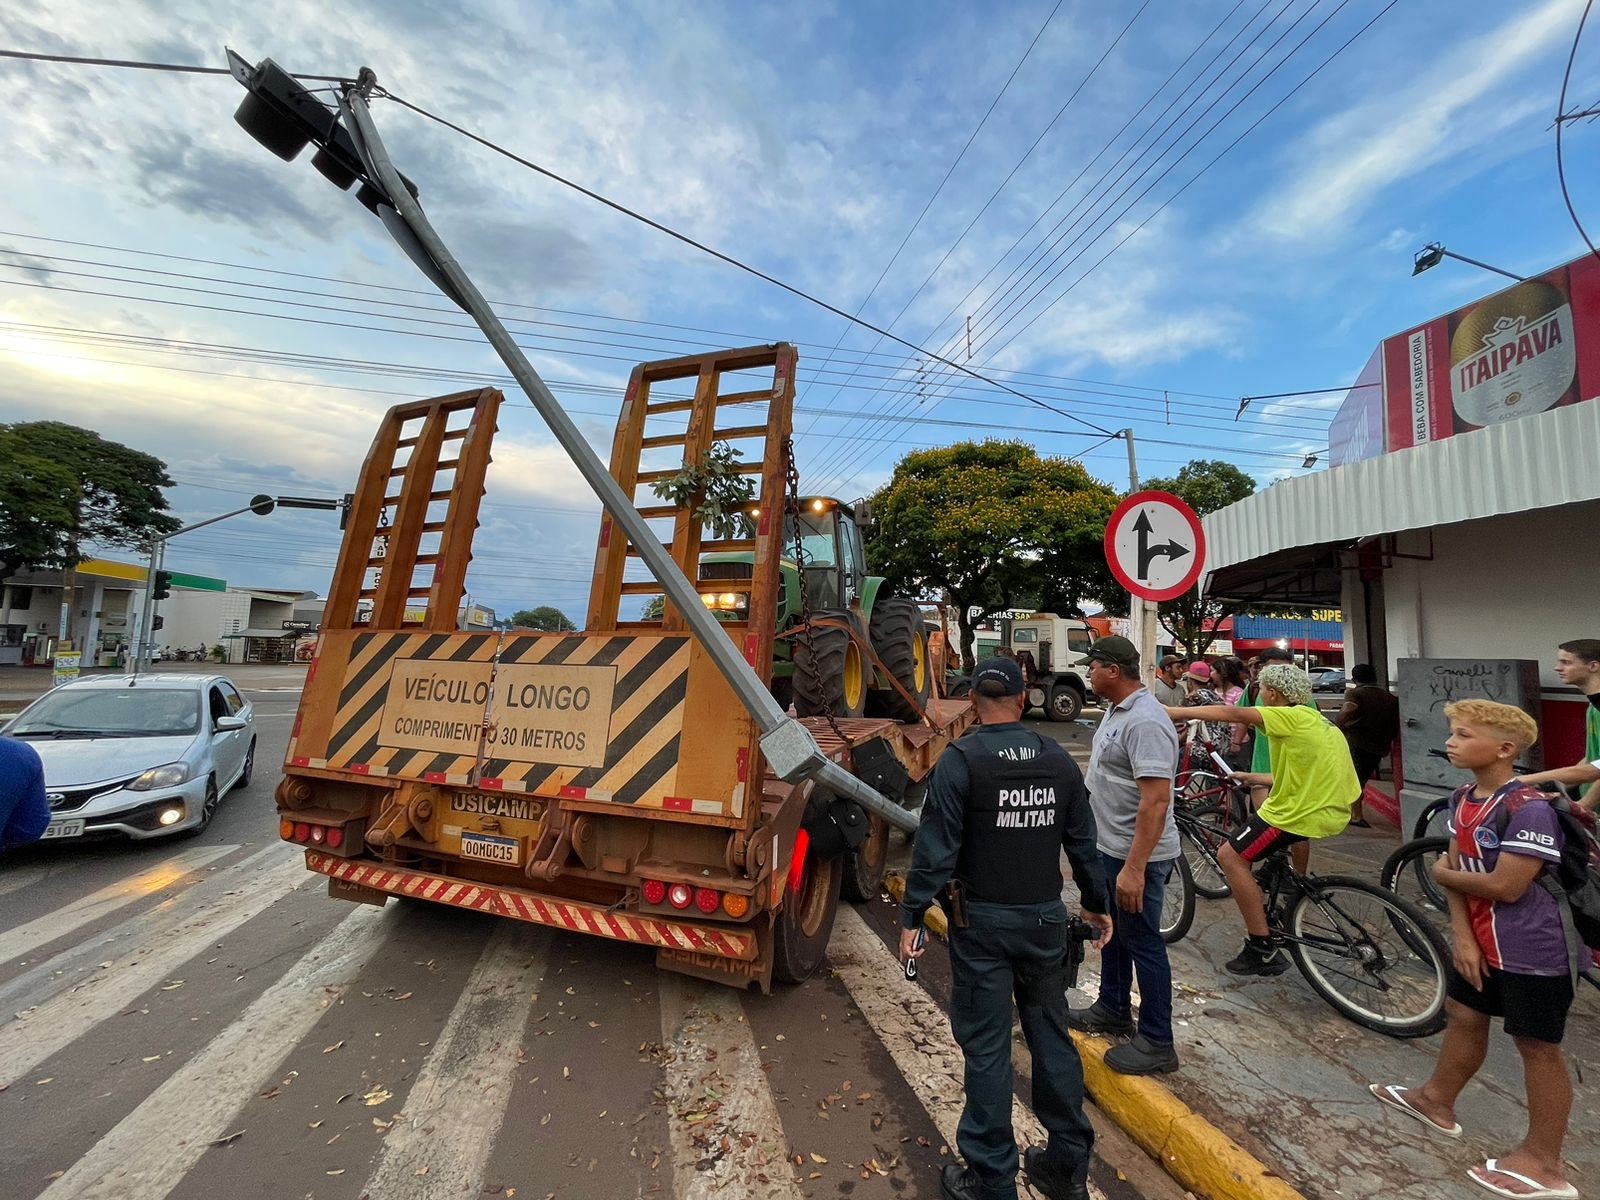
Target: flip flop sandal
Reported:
[(1540, 1192), (1390, 1095)]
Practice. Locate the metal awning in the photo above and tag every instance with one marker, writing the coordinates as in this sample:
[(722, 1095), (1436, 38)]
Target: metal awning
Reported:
[(1284, 542)]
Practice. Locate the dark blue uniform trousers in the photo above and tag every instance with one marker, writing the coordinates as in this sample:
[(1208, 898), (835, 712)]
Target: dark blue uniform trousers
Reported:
[(1015, 950)]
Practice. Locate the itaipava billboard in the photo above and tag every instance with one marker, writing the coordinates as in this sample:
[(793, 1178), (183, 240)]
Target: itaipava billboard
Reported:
[(1522, 351)]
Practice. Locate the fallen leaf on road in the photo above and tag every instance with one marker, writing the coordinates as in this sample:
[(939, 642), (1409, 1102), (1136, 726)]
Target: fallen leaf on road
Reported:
[(344, 1097), (420, 1171), (566, 1072), (545, 1120), (403, 996), (339, 1171), (227, 1138), (176, 983), (377, 1095), (55, 1175), (817, 1158), (315, 1125), (150, 1058), (332, 1048), (45, 1080)]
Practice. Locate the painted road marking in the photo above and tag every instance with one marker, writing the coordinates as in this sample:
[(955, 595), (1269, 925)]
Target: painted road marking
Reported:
[(454, 1111), (704, 1027), (915, 1031), (15, 943), (43, 1029), (150, 1150)]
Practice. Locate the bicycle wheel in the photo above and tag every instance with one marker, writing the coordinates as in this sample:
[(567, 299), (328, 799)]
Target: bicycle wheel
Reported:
[(1201, 836), (1369, 954), (1433, 821), (1177, 902), (1408, 873)]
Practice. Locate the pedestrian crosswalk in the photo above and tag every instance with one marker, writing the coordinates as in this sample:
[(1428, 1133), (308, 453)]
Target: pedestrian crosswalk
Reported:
[(217, 1023)]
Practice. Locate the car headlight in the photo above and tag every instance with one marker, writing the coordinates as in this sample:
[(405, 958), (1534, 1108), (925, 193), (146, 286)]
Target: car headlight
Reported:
[(170, 775)]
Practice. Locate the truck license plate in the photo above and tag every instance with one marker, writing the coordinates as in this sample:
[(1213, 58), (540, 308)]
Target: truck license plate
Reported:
[(63, 829), (504, 850)]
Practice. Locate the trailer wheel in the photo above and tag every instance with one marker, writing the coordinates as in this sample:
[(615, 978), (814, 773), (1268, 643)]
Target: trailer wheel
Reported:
[(900, 641), (1066, 702), (840, 669), (864, 866), (805, 922)]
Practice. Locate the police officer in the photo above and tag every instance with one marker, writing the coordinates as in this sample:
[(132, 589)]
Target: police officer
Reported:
[(1003, 802)]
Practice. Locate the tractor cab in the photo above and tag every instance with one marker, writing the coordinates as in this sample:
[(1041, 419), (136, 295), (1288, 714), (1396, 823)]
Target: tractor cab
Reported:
[(830, 609)]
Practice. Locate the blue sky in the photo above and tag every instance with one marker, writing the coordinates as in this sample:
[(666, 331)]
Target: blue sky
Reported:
[(804, 141)]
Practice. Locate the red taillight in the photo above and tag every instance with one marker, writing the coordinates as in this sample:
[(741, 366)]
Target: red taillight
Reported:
[(679, 895), (335, 838), (654, 891), (318, 834), (797, 861), (302, 832), (707, 900)]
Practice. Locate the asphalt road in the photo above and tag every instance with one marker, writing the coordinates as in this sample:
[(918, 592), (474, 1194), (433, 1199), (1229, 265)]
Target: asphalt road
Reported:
[(194, 1018)]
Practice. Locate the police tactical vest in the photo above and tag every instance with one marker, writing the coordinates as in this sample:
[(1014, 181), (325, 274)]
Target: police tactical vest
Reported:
[(1015, 813)]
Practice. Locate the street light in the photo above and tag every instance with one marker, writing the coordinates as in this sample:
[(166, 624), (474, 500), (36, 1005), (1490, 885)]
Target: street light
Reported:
[(157, 581), (1434, 253), (1311, 461)]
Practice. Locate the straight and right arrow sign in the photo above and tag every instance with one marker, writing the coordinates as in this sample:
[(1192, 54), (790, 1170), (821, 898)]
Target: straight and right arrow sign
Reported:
[(1155, 546)]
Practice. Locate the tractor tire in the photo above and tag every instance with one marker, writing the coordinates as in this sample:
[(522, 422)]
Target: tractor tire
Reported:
[(866, 865), (901, 642), (805, 922), (841, 669)]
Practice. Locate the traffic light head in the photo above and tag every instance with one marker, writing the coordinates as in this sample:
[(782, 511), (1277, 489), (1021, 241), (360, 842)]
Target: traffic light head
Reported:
[(163, 585)]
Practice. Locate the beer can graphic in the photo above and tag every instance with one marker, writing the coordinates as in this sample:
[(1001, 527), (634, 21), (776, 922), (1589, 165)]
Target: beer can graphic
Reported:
[(1513, 355)]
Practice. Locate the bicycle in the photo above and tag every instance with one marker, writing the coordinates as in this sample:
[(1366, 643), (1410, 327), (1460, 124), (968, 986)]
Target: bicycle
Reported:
[(1412, 864), (1371, 955), (1178, 902)]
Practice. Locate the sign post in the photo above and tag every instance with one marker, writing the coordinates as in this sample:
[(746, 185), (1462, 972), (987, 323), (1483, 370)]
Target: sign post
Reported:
[(1156, 549), (65, 664)]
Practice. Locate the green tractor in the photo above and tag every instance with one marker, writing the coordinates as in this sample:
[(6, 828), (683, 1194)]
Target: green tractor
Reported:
[(831, 676)]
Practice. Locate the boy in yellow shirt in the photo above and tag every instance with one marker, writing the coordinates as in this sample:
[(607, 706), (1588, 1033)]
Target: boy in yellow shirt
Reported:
[(1313, 786)]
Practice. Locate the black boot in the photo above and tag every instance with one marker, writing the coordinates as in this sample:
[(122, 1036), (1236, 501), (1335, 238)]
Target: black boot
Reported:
[(963, 1183), (1054, 1180)]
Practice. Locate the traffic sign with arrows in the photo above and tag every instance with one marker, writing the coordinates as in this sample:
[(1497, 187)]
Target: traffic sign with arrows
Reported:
[(1155, 546)]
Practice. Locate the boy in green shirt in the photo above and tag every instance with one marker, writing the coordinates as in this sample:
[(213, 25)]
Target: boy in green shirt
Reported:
[(1312, 787), (1578, 664)]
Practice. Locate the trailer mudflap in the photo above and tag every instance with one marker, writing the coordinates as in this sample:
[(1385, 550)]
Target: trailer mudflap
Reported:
[(343, 889), (732, 942)]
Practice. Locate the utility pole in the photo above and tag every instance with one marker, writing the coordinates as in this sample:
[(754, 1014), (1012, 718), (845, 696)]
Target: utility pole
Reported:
[(1141, 613)]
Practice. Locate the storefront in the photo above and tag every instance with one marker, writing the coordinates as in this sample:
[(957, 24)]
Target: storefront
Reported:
[(1454, 523)]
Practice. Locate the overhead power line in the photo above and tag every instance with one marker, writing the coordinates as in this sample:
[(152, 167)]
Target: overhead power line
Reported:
[(129, 64), (726, 258)]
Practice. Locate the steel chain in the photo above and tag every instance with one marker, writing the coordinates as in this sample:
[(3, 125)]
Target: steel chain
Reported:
[(803, 635)]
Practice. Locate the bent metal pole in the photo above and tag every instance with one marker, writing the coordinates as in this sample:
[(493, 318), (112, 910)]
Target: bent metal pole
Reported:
[(787, 745)]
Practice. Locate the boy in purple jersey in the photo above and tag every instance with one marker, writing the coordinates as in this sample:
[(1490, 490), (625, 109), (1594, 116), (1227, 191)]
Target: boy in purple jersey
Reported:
[(1509, 947)]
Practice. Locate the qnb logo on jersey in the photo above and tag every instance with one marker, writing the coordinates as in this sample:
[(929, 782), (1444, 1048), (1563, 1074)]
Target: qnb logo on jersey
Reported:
[(1026, 808), (1532, 837)]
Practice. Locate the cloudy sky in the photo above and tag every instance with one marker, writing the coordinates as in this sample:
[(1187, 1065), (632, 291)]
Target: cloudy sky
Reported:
[(1061, 173)]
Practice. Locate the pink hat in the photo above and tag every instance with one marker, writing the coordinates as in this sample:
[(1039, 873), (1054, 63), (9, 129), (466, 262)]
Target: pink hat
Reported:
[(1200, 672)]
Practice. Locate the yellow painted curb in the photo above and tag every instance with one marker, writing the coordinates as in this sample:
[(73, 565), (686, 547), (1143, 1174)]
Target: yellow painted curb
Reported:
[(1192, 1150)]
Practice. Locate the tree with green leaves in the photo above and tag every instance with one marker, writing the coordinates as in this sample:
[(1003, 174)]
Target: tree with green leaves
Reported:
[(62, 487), (545, 617), (654, 609), (1205, 484), (986, 524)]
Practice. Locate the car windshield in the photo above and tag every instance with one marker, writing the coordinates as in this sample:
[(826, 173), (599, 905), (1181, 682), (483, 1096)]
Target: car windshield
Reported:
[(115, 712)]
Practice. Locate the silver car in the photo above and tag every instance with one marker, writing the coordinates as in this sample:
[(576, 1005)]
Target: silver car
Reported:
[(142, 756)]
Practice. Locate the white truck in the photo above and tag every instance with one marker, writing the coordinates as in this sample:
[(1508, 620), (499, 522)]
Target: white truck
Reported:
[(1051, 650)]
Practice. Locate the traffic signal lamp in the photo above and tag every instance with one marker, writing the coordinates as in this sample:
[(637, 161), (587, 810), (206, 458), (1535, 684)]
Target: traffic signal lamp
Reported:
[(163, 587)]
